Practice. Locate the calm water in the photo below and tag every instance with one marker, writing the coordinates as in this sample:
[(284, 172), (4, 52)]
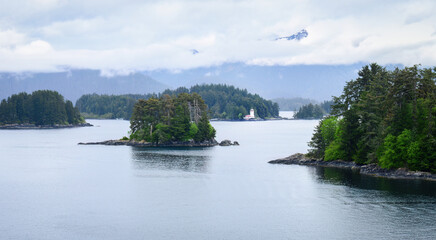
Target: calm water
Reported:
[(52, 188)]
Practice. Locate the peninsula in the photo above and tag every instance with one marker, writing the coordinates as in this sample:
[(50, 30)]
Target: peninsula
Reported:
[(384, 124)]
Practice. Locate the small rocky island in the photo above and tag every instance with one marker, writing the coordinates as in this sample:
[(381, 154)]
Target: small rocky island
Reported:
[(365, 169), (169, 121), (42, 109), (190, 143)]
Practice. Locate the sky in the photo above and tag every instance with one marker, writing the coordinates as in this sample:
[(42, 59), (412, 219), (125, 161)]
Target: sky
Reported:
[(135, 35)]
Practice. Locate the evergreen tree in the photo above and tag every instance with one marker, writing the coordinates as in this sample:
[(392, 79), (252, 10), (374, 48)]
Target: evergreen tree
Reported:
[(42, 107), (223, 102), (171, 118), (386, 117)]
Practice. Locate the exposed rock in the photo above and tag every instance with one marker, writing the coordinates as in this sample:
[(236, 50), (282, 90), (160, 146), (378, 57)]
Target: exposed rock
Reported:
[(369, 169), (225, 143), (142, 143), (228, 143)]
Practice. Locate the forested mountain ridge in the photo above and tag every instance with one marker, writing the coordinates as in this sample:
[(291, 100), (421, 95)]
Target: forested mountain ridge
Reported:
[(223, 101), (383, 117), (41, 108)]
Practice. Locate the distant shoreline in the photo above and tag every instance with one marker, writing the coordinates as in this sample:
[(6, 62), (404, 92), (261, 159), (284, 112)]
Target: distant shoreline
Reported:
[(218, 120), (33, 126), (369, 169)]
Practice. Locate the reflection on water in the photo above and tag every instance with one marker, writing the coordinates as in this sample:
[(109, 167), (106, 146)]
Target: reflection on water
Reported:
[(353, 179), (173, 159)]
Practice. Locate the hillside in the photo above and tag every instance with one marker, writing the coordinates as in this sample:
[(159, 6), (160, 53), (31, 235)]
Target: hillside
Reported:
[(223, 101)]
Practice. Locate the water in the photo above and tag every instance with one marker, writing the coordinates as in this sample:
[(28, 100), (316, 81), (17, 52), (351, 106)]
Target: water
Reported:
[(52, 188)]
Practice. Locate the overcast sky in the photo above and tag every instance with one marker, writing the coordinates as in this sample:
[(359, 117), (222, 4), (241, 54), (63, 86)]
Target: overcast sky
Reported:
[(129, 35)]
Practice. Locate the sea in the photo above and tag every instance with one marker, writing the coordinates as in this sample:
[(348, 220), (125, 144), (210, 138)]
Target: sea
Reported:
[(53, 188)]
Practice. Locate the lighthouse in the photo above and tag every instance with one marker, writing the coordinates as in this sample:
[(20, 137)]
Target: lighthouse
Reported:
[(251, 116)]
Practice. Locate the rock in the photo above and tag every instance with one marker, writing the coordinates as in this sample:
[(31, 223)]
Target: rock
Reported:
[(235, 143), (225, 143), (190, 143), (369, 169)]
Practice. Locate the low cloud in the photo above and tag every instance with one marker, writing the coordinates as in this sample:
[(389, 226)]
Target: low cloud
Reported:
[(126, 36)]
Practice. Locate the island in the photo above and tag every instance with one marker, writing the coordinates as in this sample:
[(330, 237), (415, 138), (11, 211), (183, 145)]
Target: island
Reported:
[(314, 111), (41, 109), (224, 102), (169, 121), (384, 124)]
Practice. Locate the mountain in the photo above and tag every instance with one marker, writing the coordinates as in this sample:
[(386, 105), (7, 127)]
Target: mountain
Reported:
[(318, 82), (74, 83), (297, 36)]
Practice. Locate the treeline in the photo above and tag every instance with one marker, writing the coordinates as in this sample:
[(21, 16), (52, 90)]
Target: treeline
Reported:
[(223, 101), (108, 106), (292, 104), (171, 118), (314, 111), (384, 117), (42, 107), (228, 102)]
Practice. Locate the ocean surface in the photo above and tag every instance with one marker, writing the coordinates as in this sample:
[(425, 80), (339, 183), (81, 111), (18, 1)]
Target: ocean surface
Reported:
[(52, 188)]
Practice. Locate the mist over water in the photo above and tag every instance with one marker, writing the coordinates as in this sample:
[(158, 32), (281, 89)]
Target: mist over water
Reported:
[(52, 188)]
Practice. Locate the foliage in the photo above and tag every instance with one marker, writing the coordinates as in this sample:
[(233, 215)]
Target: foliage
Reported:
[(171, 118), (224, 102), (292, 104), (108, 106), (313, 111), (228, 102), (42, 107), (323, 137), (309, 111), (386, 117)]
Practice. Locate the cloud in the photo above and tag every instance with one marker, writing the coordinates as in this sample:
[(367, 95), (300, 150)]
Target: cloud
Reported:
[(122, 36), (10, 38)]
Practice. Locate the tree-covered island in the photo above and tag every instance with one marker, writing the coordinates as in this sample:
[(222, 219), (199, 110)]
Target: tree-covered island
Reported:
[(177, 120), (384, 123), (167, 119), (40, 109)]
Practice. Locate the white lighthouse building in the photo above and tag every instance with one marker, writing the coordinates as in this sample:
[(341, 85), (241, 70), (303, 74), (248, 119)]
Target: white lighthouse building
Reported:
[(251, 116)]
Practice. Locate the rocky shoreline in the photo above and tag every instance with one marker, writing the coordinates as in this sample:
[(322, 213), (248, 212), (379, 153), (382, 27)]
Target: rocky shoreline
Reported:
[(369, 169), (33, 126), (134, 143)]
